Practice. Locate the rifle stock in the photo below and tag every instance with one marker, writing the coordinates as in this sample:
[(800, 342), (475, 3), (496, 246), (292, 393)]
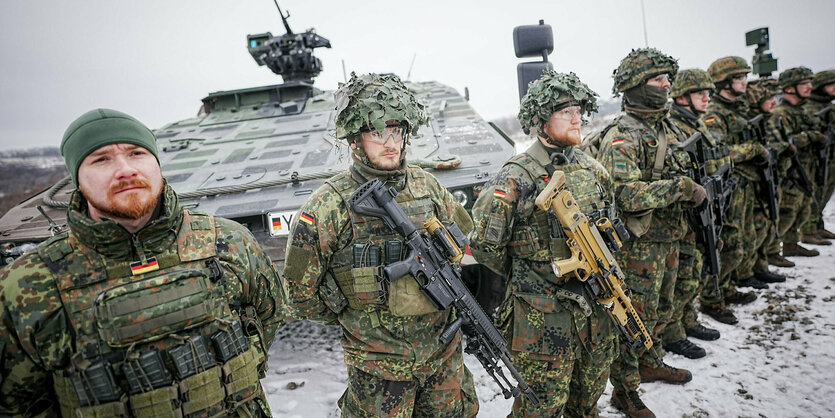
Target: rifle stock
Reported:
[(592, 262), (433, 259)]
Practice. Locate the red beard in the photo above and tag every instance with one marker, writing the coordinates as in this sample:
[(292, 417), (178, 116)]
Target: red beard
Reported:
[(130, 206)]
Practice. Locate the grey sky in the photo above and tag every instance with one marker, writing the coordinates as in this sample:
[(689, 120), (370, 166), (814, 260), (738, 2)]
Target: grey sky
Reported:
[(157, 59)]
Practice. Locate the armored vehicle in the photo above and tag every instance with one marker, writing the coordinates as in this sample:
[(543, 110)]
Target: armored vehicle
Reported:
[(254, 155)]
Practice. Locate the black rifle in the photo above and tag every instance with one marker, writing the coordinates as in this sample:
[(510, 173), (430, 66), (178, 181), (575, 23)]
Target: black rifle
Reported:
[(801, 179), (825, 150), (768, 170), (708, 217), (433, 260)]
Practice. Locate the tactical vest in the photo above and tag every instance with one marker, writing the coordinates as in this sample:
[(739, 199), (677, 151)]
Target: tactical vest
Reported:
[(540, 237), (643, 224), (358, 268), (155, 337)]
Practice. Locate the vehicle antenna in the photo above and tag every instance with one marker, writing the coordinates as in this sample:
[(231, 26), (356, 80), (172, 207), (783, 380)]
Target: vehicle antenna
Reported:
[(283, 18), (644, 20), (344, 74), (409, 74)]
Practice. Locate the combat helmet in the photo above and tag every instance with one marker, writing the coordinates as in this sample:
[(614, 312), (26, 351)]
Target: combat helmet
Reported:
[(760, 90), (371, 100), (793, 76), (550, 93), (723, 69), (691, 80), (640, 65), (823, 78)]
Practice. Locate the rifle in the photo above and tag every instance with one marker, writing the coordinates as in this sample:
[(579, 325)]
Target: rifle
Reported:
[(592, 262), (433, 259), (825, 150), (708, 217), (769, 172), (801, 179)]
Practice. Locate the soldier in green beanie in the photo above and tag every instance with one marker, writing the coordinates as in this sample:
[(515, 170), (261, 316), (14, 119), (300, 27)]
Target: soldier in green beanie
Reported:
[(142, 308)]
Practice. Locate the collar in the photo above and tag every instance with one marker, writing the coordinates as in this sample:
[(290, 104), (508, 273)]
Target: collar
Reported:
[(653, 116), (542, 154), (685, 115), (396, 177), (113, 241)]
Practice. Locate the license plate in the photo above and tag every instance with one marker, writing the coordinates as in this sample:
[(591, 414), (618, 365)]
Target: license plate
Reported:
[(279, 222)]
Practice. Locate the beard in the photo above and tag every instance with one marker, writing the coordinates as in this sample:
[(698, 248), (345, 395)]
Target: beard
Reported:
[(566, 138), (134, 205)]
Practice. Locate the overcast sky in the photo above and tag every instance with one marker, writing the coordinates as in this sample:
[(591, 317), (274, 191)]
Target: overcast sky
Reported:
[(156, 59)]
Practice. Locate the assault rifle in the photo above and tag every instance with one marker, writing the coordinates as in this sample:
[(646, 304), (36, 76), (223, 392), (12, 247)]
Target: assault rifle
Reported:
[(592, 262), (708, 217), (801, 179), (433, 260), (770, 177), (824, 152)]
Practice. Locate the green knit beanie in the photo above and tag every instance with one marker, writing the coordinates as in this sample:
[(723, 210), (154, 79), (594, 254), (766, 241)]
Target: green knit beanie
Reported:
[(100, 127)]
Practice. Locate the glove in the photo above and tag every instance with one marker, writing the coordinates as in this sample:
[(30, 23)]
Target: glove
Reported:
[(764, 154), (699, 194), (790, 151)]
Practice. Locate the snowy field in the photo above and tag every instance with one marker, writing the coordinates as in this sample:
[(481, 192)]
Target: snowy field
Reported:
[(778, 361)]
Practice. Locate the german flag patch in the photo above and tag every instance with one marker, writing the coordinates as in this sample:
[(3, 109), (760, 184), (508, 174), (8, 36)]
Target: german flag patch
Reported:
[(306, 219), (137, 267), (710, 119), (498, 193), (618, 141)]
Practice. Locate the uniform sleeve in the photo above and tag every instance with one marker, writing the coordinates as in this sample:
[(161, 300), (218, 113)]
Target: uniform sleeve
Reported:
[(493, 214), (788, 127), (256, 283), (450, 207), (33, 338), (317, 231), (740, 153), (619, 155)]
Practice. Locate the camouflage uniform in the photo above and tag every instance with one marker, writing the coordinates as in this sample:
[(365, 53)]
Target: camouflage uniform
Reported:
[(97, 295), (764, 232), (727, 121), (397, 367), (794, 123), (690, 280), (651, 195), (818, 101), (561, 344)]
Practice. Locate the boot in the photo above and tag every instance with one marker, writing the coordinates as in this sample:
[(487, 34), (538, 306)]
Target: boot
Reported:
[(630, 404), (823, 233), (665, 373), (740, 298), (702, 332), (790, 250), (752, 282), (686, 348), (769, 277), (779, 261), (723, 315), (813, 239)]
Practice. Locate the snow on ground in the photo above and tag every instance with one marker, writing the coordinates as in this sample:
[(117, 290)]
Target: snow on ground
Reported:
[(778, 361)]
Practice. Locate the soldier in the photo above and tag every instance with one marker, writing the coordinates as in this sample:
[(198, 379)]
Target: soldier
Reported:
[(726, 119), (761, 97), (823, 92), (396, 363), (691, 95), (636, 150), (800, 129), (562, 344), (142, 308)]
